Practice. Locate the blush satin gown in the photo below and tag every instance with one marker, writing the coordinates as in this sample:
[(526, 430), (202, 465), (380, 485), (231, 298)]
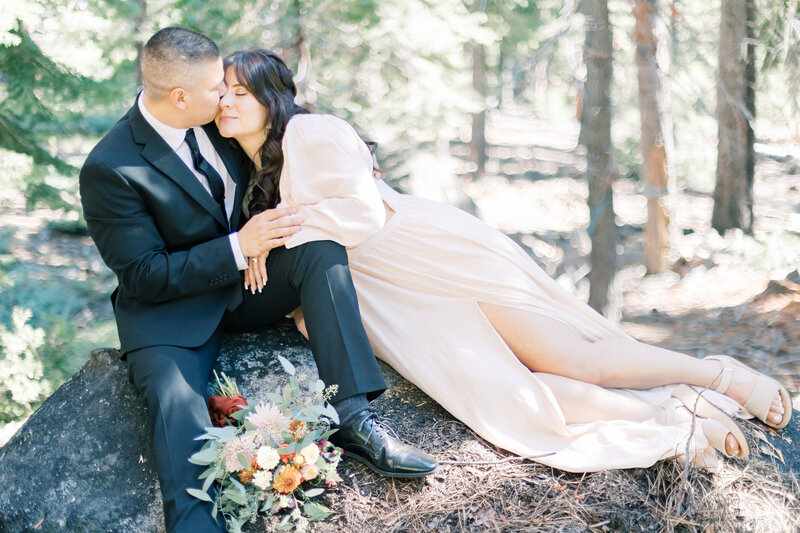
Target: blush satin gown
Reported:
[(420, 268)]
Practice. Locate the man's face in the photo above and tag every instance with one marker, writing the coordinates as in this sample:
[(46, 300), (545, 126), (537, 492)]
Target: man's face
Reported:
[(207, 87)]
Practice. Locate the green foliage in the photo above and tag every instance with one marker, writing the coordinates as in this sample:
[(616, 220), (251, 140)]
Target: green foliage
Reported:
[(33, 86), (44, 336), (21, 366)]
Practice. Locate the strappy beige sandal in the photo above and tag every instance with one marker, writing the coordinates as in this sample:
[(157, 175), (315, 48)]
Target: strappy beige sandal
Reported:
[(760, 399), (713, 421)]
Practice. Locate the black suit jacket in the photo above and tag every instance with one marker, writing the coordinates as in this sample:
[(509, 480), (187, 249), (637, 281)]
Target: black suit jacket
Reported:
[(162, 234)]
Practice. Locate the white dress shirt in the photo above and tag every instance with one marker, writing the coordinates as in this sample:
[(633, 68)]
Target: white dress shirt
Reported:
[(175, 139)]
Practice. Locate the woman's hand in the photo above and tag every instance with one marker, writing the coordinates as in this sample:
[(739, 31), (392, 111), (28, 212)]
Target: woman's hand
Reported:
[(267, 230), (255, 276)]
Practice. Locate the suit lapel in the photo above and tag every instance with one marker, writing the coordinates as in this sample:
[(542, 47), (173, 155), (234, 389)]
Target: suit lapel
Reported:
[(236, 163), (158, 153)]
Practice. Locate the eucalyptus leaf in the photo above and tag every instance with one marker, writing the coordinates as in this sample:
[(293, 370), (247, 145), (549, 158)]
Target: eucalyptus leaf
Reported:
[(235, 497), (316, 511), (330, 412), (208, 482), (328, 433), (238, 486), (204, 457), (207, 472), (287, 394), (316, 491), (199, 494), (243, 460), (287, 366)]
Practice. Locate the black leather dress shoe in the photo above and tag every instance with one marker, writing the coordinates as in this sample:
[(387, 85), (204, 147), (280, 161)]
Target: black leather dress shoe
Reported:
[(368, 440)]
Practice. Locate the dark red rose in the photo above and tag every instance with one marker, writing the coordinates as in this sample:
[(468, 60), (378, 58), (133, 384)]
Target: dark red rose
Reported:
[(221, 407)]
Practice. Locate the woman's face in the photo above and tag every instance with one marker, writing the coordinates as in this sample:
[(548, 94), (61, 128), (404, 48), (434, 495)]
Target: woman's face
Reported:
[(240, 115)]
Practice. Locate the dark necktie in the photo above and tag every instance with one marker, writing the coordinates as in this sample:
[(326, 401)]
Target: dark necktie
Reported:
[(205, 168)]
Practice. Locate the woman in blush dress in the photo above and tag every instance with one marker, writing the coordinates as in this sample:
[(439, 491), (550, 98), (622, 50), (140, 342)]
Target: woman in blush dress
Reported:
[(461, 311)]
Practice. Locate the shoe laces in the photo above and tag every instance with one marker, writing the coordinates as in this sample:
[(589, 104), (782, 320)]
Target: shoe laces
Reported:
[(378, 427)]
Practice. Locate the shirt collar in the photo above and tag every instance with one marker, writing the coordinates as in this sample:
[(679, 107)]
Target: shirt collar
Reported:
[(173, 136)]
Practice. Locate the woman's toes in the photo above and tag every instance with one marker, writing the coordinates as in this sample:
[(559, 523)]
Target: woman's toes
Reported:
[(731, 445), (776, 411)]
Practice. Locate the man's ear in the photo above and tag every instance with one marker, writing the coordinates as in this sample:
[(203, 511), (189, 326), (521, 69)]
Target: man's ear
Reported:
[(178, 98)]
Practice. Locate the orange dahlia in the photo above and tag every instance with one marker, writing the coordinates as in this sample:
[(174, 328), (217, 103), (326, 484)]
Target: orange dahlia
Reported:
[(246, 476), (287, 480), (299, 429)]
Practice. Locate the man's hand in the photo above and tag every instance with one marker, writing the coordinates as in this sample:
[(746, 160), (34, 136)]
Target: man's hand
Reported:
[(267, 230)]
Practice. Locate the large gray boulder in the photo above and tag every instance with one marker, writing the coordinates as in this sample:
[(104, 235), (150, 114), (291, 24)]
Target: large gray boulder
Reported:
[(83, 461)]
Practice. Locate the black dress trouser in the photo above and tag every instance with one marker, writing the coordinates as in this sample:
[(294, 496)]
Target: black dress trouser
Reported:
[(173, 380)]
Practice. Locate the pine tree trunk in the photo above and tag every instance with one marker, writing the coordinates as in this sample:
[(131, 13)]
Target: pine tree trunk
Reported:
[(477, 145), (654, 137), (733, 194), (138, 24), (596, 137)]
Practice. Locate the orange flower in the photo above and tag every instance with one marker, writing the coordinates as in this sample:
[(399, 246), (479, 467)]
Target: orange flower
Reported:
[(221, 407), (299, 429), (287, 480), (285, 457), (246, 476)]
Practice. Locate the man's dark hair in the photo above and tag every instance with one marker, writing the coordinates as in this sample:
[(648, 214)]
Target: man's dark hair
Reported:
[(168, 57)]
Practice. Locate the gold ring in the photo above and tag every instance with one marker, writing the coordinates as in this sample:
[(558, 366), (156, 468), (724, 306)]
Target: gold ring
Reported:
[(254, 260)]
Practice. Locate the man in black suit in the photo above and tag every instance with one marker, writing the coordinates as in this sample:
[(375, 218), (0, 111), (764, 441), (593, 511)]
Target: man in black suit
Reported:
[(162, 195)]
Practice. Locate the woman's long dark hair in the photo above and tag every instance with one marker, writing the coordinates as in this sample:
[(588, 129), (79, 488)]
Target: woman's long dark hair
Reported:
[(264, 74)]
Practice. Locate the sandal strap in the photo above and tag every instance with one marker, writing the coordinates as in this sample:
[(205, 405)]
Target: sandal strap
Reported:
[(764, 391), (716, 433), (723, 379), (716, 424)]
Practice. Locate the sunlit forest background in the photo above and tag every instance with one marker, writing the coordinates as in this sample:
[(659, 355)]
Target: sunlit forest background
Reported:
[(618, 141)]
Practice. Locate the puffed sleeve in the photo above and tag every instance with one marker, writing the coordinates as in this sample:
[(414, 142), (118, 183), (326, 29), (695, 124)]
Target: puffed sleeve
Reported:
[(327, 175)]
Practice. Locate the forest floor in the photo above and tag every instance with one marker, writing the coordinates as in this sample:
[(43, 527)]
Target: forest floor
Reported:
[(713, 300)]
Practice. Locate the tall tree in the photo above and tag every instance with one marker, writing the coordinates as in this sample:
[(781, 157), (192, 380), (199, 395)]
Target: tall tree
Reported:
[(655, 136), (596, 137), (733, 193), (477, 145), (35, 90)]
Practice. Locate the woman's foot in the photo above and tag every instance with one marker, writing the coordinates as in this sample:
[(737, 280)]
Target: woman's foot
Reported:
[(761, 396), (731, 445), (720, 430)]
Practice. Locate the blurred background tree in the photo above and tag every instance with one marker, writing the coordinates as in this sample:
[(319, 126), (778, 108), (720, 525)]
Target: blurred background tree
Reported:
[(457, 93)]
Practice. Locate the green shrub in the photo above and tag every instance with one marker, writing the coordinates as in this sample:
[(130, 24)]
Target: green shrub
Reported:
[(23, 386)]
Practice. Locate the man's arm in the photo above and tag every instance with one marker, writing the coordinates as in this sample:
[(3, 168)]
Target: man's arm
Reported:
[(130, 243)]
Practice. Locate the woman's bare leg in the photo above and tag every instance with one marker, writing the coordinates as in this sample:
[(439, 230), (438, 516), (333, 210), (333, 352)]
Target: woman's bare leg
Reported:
[(546, 345), (584, 402)]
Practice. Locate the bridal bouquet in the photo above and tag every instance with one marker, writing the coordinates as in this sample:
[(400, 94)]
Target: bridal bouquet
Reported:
[(271, 457)]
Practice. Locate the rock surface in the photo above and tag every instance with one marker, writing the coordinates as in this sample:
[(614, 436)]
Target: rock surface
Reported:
[(83, 461)]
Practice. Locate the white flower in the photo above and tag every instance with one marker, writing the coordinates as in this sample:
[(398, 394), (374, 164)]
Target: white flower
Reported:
[(262, 479), (310, 453), (268, 457), (233, 448), (269, 420)]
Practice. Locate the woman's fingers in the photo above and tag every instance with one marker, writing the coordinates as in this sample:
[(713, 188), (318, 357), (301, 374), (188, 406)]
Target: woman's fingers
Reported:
[(262, 263), (255, 274)]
